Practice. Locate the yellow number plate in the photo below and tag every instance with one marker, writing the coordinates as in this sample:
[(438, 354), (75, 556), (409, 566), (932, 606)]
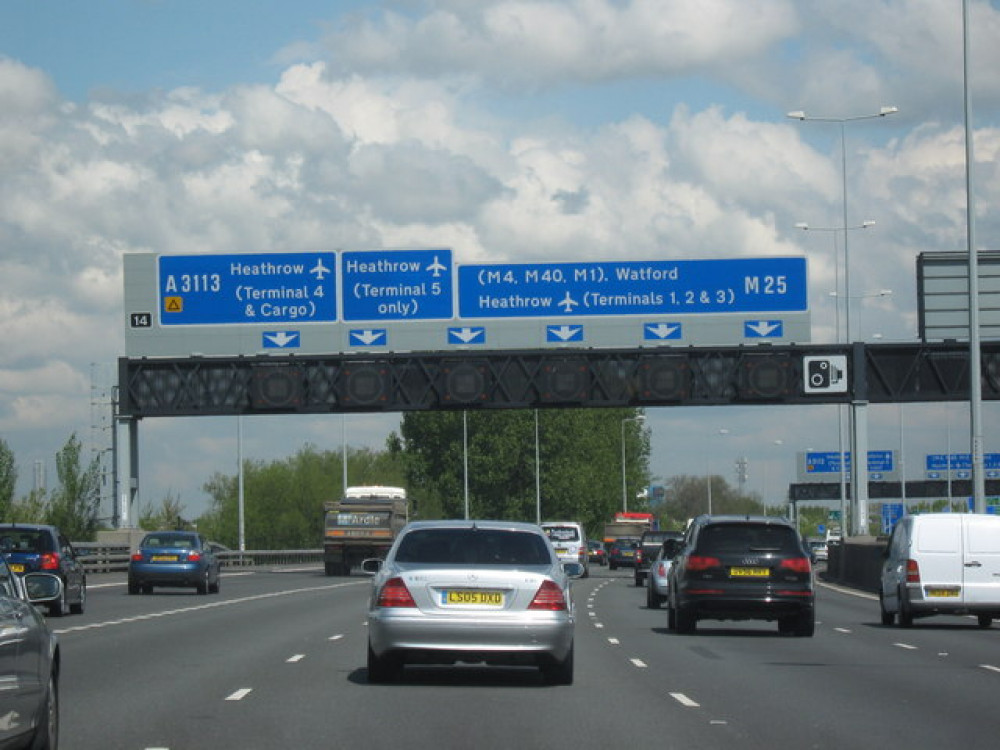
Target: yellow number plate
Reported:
[(749, 572), (17, 567), (164, 558), (941, 591), (476, 598)]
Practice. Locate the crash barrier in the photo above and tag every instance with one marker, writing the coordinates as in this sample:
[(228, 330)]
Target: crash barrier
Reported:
[(104, 558), (857, 562)]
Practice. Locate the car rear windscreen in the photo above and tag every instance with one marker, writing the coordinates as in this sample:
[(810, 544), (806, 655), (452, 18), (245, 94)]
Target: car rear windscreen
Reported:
[(746, 537), (473, 547)]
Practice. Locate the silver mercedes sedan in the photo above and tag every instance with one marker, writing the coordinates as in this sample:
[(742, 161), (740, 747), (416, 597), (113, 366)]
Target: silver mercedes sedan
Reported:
[(489, 592)]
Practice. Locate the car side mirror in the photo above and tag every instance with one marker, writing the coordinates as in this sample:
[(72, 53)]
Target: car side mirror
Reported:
[(42, 587), (573, 569), (372, 565)]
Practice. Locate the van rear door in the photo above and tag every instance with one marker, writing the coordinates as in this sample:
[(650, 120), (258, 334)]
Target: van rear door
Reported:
[(981, 559), (937, 546)]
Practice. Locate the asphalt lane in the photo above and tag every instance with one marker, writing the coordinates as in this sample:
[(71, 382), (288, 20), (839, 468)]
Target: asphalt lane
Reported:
[(277, 660)]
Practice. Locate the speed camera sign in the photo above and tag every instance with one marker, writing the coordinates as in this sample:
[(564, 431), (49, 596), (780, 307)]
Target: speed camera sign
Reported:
[(825, 374)]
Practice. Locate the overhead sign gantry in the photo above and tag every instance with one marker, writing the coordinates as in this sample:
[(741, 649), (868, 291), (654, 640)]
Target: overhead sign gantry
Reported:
[(418, 300)]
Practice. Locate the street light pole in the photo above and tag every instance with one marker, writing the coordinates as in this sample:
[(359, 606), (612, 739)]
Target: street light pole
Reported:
[(638, 419), (858, 409)]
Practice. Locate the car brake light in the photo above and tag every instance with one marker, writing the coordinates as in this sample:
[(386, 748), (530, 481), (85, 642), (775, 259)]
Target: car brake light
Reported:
[(912, 572), (796, 565), (49, 561), (549, 597), (661, 570), (137, 556), (702, 562), (395, 594), (194, 556)]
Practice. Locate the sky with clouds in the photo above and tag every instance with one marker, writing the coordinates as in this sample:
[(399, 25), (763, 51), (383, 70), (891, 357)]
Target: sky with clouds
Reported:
[(509, 131)]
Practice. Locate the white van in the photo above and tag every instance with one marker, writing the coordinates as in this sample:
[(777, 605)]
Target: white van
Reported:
[(570, 542), (942, 563)]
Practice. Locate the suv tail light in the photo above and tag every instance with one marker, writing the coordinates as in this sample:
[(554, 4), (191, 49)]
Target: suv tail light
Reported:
[(395, 594), (638, 556), (912, 572), (49, 561), (796, 565), (702, 562), (548, 597)]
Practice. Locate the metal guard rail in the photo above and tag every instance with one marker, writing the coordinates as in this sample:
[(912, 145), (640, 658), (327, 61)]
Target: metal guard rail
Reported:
[(99, 558)]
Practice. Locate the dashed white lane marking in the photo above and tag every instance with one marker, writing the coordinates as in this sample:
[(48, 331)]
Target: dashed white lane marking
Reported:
[(990, 667), (684, 700), (844, 630), (639, 663), (907, 646), (336, 637), (239, 694), (613, 641), (598, 625), (210, 605), (293, 659)]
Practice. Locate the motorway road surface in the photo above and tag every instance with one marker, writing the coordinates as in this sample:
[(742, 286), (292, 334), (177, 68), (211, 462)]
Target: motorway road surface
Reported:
[(277, 660)]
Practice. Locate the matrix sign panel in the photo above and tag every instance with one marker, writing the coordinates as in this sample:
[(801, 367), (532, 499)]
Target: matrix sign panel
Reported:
[(267, 288), (681, 287)]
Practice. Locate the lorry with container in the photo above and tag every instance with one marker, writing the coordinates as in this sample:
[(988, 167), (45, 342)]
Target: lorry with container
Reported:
[(361, 525), (622, 535)]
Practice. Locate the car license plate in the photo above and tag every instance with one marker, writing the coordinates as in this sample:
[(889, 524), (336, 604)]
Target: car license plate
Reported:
[(941, 591), (749, 572), (478, 598), (164, 558), (17, 567), (629, 553)]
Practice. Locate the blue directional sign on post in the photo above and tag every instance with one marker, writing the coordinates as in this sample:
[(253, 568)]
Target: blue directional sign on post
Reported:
[(548, 290), (397, 285), (264, 288), (828, 462)]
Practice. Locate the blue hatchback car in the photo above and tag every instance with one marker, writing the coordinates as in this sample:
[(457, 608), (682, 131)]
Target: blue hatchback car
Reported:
[(38, 548), (175, 559)]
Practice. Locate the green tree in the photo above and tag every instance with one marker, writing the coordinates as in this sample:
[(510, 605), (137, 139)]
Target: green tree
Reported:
[(169, 515), (8, 480), (33, 508), (579, 455), (74, 505), (283, 500)]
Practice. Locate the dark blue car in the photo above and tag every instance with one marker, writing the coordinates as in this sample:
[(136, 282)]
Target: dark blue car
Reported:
[(176, 559), (38, 548)]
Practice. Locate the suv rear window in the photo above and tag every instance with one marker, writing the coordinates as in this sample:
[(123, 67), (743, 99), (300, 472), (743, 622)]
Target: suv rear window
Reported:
[(745, 537), (473, 547), (26, 541)]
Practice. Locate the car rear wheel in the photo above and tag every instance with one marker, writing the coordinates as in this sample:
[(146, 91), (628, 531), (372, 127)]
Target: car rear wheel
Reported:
[(685, 620), (888, 618), (985, 620), (653, 600), (203, 584), (905, 613), (804, 624), (133, 587), (559, 672), (382, 669), (77, 609)]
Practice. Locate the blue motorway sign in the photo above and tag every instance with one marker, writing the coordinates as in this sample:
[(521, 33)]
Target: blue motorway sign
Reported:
[(397, 285), (738, 285), (818, 462), (937, 462), (263, 288)]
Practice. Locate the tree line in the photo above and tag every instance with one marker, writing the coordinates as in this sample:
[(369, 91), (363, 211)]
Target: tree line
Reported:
[(490, 460)]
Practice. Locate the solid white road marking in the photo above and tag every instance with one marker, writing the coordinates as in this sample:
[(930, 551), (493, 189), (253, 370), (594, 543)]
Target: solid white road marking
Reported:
[(239, 694), (684, 700), (990, 667)]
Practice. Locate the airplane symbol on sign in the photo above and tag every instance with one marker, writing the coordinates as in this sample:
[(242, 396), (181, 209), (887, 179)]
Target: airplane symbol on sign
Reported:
[(437, 267), (319, 270), (568, 304)]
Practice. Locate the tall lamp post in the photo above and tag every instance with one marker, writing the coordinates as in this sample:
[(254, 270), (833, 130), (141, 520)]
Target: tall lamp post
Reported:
[(867, 224), (638, 419), (857, 428)]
